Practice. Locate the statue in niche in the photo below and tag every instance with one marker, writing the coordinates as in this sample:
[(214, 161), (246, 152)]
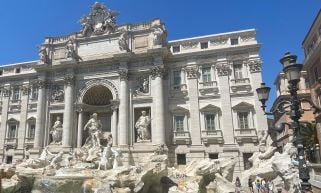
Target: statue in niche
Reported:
[(56, 132), (142, 127), (71, 50), (94, 128)]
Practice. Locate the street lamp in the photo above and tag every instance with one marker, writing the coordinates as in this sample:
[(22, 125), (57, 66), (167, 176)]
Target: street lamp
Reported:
[(292, 107)]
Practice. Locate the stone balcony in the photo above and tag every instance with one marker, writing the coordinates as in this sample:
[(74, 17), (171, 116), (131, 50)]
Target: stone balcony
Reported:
[(182, 138), (11, 142), (212, 137), (208, 88), (240, 85), (179, 90), (246, 135)]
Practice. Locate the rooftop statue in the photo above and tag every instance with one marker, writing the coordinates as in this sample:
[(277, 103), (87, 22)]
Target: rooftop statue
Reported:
[(101, 20)]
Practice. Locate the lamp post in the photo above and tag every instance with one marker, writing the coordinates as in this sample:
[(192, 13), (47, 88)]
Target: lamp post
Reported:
[(292, 107)]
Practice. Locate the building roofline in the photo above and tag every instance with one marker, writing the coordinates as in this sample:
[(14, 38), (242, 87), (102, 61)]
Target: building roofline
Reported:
[(19, 63), (310, 29), (212, 35)]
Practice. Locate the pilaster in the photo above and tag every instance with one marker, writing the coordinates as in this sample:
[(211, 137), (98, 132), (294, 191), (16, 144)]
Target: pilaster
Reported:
[(255, 65), (24, 90), (192, 81), (114, 128), (4, 116), (224, 71)]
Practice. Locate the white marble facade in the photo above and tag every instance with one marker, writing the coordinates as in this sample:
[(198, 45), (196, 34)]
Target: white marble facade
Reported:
[(199, 92)]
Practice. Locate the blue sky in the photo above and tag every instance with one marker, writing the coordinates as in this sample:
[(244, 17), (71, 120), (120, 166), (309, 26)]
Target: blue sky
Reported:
[(281, 24)]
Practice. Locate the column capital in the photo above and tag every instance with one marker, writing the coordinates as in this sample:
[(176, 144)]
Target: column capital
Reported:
[(223, 69), (255, 65), (192, 71), (40, 83), (69, 79), (25, 89), (158, 71), (123, 74)]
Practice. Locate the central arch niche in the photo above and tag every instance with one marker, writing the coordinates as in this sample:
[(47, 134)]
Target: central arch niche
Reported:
[(98, 96)]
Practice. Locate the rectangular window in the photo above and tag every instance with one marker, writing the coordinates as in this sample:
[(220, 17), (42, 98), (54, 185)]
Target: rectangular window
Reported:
[(177, 77), (234, 41), (32, 130), (1, 72), (16, 94), (176, 49), (213, 155), (181, 159), (238, 68), (209, 122), (243, 120), (204, 45), (34, 93), (12, 131), (179, 123), (18, 70), (247, 163), (206, 74)]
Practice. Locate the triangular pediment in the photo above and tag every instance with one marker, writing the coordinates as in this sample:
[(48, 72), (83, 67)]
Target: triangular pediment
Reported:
[(211, 108), (243, 105), (12, 120), (179, 109)]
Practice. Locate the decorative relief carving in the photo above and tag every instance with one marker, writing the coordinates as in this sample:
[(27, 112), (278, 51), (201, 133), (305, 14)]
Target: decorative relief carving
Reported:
[(100, 21), (255, 65), (217, 42), (192, 71), (57, 93), (142, 85), (189, 45), (223, 69)]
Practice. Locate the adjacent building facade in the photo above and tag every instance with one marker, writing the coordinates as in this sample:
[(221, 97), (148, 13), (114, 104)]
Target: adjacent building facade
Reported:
[(281, 84), (196, 95)]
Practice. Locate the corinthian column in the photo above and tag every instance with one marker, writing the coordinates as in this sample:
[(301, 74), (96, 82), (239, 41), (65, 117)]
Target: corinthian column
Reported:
[(40, 122), (68, 112), (123, 108), (158, 133), (114, 130)]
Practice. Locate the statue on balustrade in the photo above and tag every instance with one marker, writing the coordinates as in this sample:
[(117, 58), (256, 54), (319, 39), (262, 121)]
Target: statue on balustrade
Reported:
[(94, 127), (56, 132), (142, 127)]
